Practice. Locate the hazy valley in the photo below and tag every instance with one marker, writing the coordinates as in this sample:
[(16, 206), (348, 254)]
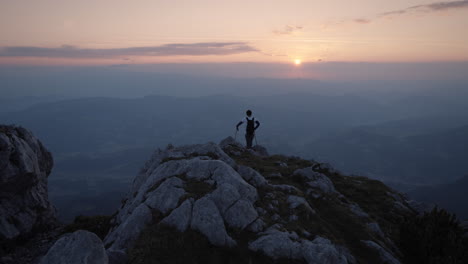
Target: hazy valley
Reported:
[(99, 143)]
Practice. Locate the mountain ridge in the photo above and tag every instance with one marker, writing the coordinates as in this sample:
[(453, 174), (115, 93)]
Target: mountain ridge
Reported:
[(213, 203), (273, 211)]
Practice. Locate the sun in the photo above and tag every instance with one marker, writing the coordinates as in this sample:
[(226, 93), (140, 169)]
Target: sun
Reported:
[(297, 61)]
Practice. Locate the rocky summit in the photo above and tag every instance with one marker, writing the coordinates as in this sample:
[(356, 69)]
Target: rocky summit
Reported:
[(213, 203), (208, 203)]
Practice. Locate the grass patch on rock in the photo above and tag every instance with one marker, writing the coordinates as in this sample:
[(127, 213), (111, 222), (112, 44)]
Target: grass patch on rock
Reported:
[(195, 188), (333, 219), (211, 155), (374, 198)]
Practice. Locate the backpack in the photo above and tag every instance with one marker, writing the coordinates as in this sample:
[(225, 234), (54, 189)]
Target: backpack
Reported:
[(250, 125)]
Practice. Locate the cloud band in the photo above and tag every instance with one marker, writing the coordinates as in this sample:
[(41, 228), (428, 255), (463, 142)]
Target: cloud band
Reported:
[(176, 49)]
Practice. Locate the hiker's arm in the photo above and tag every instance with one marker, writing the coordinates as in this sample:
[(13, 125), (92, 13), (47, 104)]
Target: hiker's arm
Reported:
[(257, 124), (238, 124)]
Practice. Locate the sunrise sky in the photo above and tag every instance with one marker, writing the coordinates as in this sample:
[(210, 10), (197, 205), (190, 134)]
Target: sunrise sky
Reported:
[(106, 32)]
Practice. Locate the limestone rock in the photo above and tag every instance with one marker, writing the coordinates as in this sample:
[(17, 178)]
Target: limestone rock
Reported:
[(80, 247), (257, 226), (24, 167), (197, 188), (385, 256), (375, 228), (166, 196), (252, 176), (181, 217), (187, 151), (322, 250), (163, 189), (296, 201), (277, 244), (128, 231), (207, 219), (317, 181), (241, 214), (224, 196), (195, 169), (356, 209)]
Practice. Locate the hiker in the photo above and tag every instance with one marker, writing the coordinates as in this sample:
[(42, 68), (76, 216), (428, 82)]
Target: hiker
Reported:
[(252, 125)]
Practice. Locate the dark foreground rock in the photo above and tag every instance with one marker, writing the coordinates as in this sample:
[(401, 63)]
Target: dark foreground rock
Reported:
[(24, 167), (79, 247), (27, 218)]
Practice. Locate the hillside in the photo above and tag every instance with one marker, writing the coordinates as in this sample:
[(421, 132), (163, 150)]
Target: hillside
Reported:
[(423, 158), (89, 136), (451, 196), (203, 203), (210, 203), (98, 143)]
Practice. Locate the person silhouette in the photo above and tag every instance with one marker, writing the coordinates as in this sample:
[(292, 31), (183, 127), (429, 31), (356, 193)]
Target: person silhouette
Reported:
[(252, 125)]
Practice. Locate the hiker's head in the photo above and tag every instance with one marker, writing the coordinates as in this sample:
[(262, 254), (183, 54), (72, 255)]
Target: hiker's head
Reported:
[(249, 113)]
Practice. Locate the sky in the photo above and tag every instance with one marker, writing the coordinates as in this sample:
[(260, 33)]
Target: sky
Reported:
[(141, 32)]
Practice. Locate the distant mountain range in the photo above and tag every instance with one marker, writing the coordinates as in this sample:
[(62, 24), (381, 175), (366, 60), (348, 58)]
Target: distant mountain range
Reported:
[(388, 154), (451, 196), (94, 139)]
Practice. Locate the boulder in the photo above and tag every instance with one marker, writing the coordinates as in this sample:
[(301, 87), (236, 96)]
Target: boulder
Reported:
[(163, 191), (224, 196), (166, 197), (385, 256), (241, 214), (277, 244), (319, 183), (213, 172), (24, 167), (321, 250), (357, 210), (296, 201), (252, 176), (181, 217), (230, 142), (159, 156), (123, 236), (80, 247), (375, 229), (257, 226), (207, 219)]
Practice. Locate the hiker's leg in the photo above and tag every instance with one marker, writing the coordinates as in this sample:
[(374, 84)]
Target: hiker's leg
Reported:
[(248, 139)]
